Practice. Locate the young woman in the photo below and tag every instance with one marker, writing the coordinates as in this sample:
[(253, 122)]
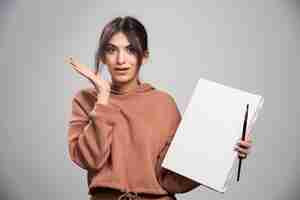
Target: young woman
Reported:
[(120, 131)]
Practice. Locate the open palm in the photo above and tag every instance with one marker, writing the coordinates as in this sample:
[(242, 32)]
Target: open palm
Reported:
[(100, 84)]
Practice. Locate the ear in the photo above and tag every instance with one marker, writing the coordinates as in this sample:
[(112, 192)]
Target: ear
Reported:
[(145, 58)]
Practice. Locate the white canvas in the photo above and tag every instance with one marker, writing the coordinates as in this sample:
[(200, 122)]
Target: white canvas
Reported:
[(203, 147)]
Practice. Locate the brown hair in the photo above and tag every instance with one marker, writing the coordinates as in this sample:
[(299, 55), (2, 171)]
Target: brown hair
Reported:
[(135, 33)]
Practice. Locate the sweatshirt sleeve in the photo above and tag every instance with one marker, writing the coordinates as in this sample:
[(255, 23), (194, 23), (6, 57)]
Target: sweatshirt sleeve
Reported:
[(169, 180), (90, 134)]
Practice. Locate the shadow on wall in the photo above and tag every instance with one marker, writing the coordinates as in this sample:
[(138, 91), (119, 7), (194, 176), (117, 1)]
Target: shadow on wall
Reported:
[(6, 185), (6, 5)]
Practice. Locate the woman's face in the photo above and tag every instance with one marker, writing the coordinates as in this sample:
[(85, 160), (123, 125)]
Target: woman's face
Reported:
[(120, 59)]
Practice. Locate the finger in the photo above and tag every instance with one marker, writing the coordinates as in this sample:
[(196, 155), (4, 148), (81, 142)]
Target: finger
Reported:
[(84, 70), (68, 59), (73, 60), (90, 76), (242, 156), (83, 73), (80, 72), (242, 150), (247, 136), (75, 63), (245, 144), (98, 74), (77, 68)]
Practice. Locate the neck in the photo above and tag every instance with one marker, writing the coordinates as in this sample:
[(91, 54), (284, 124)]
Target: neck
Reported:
[(125, 87)]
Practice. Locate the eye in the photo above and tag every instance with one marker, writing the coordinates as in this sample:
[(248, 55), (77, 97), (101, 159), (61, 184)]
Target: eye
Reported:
[(110, 50), (131, 50)]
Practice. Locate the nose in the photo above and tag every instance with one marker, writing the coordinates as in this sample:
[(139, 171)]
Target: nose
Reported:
[(121, 58)]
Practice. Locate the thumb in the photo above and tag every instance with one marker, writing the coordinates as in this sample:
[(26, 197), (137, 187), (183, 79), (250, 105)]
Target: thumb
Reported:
[(97, 73)]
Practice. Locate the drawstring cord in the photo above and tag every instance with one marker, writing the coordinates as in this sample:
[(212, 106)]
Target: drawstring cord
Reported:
[(129, 196)]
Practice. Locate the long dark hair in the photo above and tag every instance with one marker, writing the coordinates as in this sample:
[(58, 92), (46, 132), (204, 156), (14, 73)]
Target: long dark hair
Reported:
[(135, 33)]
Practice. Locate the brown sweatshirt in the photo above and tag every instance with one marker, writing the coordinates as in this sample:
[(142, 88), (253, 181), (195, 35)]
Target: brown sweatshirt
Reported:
[(122, 144)]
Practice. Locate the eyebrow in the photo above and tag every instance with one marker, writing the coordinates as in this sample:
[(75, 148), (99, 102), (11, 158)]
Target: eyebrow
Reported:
[(110, 44)]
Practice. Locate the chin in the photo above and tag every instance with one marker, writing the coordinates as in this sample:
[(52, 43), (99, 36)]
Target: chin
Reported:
[(122, 80)]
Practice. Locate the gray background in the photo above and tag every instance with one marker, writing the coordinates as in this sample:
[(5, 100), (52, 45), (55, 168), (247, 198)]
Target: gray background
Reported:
[(251, 45)]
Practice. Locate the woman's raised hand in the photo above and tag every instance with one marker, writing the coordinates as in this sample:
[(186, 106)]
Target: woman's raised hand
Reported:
[(102, 86)]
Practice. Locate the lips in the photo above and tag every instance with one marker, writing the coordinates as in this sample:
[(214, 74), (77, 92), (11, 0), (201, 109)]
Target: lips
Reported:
[(121, 69)]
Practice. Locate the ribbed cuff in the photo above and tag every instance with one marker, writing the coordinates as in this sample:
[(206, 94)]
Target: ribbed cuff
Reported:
[(105, 112)]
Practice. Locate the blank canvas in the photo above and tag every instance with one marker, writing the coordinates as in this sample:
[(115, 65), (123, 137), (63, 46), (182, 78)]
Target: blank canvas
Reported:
[(203, 146)]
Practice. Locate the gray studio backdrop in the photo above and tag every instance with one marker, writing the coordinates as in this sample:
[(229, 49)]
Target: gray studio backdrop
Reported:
[(251, 45)]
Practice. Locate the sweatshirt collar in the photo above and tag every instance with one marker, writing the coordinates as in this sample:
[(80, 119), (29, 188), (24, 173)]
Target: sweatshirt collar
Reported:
[(142, 88)]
